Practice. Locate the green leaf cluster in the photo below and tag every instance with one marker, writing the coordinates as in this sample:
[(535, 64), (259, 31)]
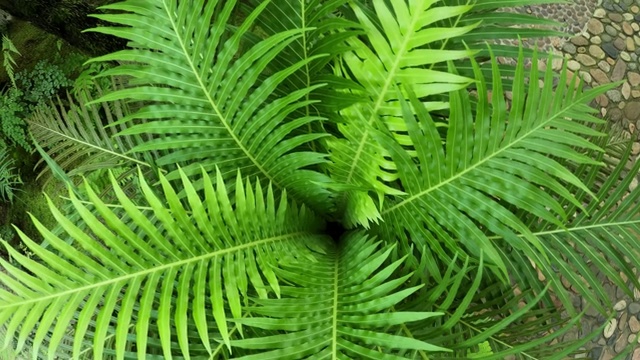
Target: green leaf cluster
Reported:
[(9, 177), (321, 179), (41, 84)]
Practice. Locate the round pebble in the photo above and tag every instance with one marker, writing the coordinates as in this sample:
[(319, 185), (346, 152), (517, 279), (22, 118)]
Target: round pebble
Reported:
[(634, 307), (610, 328), (620, 305)]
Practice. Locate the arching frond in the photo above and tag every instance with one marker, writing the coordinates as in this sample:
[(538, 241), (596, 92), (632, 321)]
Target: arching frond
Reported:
[(80, 137), (338, 308), (483, 317), (461, 194), (323, 38), (211, 100), (167, 281), (9, 176), (395, 55)]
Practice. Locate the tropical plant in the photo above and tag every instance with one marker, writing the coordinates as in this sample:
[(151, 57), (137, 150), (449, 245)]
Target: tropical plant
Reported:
[(324, 185), (9, 177), (8, 62)]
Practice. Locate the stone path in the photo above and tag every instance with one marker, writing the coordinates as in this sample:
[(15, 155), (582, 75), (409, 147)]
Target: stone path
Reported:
[(604, 48)]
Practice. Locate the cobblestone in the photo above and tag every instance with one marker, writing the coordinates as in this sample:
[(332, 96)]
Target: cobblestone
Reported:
[(605, 44)]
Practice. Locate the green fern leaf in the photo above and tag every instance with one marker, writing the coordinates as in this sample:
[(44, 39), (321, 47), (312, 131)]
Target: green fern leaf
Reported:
[(485, 162), (345, 294), (397, 57), (112, 281), (211, 103)]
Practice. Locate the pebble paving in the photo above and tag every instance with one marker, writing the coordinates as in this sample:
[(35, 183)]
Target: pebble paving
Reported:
[(603, 46)]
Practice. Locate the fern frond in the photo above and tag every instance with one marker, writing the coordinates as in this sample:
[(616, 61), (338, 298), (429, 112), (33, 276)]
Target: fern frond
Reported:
[(210, 98), (80, 137), (8, 49), (395, 55), (9, 177), (162, 281), (337, 308), (460, 194)]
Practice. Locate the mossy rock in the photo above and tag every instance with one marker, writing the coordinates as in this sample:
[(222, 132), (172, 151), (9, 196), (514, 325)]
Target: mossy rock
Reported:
[(35, 45)]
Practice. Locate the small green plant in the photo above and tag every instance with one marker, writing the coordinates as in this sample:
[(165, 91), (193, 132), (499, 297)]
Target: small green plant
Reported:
[(12, 110), (42, 83), (9, 179), (8, 49), (33, 89)]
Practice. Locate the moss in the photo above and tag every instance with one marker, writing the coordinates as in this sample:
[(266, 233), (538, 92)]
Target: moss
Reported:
[(31, 200), (36, 45)]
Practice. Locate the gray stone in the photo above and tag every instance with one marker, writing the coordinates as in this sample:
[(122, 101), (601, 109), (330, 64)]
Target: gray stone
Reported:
[(614, 95), (596, 51), (585, 60), (619, 44), (616, 17), (634, 324), (626, 90), (610, 30), (610, 49), (632, 112), (599, 13), (604, 66), (595, 27), (573, 65), (599, 76), (634, 307), (619, 70), (615, 115), (569, 48), (579, 41)]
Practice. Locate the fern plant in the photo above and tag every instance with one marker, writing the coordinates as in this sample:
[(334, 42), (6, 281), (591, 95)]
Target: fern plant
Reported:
[(8, 50), (316, 181), (9, 177)]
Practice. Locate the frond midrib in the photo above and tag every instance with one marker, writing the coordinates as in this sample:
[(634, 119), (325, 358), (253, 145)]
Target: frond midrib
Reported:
[(160, 268), (213, 104), (89, 145), (336, 298), (577, 228), (467, 170), (385, 88)]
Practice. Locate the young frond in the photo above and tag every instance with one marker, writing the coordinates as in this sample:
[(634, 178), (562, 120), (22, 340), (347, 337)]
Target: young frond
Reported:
[(80, 137), (397, 54)]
